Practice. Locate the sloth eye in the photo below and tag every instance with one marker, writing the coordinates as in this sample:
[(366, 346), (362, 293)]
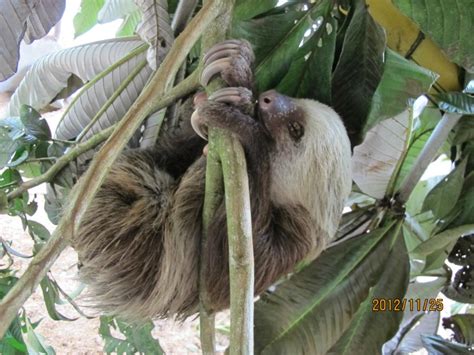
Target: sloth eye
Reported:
[(296, 130)]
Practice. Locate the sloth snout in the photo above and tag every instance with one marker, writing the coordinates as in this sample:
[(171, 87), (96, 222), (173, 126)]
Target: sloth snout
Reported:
[(273, 103)]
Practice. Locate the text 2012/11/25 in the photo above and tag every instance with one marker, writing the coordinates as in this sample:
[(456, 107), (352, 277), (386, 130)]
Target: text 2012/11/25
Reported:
[(413, 304)]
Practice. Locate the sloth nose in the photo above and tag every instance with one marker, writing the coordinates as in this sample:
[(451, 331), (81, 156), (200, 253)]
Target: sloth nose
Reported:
[(272, 102)]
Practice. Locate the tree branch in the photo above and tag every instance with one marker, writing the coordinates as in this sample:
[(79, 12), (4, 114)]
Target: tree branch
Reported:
[(436, 140), (153, 97), (226, 166)]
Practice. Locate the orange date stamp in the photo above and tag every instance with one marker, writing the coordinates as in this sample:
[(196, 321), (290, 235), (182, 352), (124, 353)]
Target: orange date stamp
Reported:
[(411, 304)]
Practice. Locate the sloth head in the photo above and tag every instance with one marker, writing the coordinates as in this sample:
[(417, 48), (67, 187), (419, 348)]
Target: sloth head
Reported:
[(311, 155)]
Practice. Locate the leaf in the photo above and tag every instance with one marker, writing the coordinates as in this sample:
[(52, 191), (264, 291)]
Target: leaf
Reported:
[(116, 9), (33, 340), (369, 329), (7, 147), (33, 17), (138, 338), (34, 125), (463, 213), (442, 199), (358, 71), (51, 297), (423, 127), (401, 80), (456, 102), (374, 161), (86, 18), (276, 39), (309, 75), (50, 74), (464, 130), (463, 327), (44, 15), (38, 230), (439, 346), (155, 29), (129, 24), (248, 9), (448, 23), (304, 314), (441, 240)]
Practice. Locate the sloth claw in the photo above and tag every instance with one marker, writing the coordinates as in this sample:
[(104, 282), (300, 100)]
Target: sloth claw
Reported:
[(231, 59), (237, 96)]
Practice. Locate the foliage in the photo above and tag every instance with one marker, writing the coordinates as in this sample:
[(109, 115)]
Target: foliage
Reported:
[(335, 54)]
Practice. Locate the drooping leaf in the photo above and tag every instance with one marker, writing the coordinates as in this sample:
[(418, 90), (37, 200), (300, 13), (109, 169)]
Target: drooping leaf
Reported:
[(464, 130), (401, 80), (155, 29), (29, 18), (448, 23), (86, 18), (442, 199), (456, 102), (370, 329), (309, 75), (358, 71), (304, 314), (463, 327), (116, 9)]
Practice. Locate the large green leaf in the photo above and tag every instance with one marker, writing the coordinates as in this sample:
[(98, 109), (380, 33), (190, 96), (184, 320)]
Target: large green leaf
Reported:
[(371, 327), (309, 312), (401, 80), (116, 9), (359, 70), (276, 39), (309, 75), (448, 23), (248, 9)]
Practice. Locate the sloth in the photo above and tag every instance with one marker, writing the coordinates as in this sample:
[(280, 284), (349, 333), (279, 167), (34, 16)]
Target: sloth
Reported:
[(139, 243)]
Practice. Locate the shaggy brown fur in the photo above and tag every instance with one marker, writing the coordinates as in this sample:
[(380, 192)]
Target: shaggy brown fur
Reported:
[(139, 244)]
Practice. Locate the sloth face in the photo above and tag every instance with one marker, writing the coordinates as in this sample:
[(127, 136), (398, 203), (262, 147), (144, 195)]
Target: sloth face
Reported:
[(281, 116)]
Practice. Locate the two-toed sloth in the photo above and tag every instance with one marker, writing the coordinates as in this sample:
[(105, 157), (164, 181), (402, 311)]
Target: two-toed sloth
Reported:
[(139, 242)]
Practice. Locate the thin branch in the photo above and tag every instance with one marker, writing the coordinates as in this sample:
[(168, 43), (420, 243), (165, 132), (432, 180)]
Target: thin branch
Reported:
[(62, 162), (153, 96), (436, 140)]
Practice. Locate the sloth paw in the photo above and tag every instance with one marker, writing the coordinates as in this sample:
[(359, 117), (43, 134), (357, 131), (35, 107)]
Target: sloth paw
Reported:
[(232, 59), (240, 97)]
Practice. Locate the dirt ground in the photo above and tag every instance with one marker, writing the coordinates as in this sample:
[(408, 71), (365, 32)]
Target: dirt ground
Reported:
[(81, 336)]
